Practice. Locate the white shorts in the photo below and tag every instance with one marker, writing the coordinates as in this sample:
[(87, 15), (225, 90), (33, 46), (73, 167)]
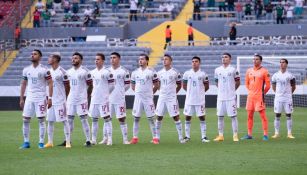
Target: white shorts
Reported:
[(171, 106), (57, 113), (32, 109), (279, 107), (99, 110), (228, 107), (139, 106), (118, 110), (79, 109), (190, 110)]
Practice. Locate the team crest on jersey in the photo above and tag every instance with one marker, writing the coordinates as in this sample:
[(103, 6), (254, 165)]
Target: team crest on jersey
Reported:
[(179, 76), (155, 75), (206, 78), (88, 75), (48, 72), (127, 76), (65, 77), (111, 75), (237, 73)]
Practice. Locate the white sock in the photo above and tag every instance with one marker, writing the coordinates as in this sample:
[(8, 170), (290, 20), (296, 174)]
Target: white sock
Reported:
[(42, 129), (66, 131), (289, 123), (234, 123), (50, 130), (94, 129), (187, 128), (86, 127), (124, 129), (152, 126), (203, 129), (158, 127), (109, 128), (71, 124), (277, 124), (26, 130), (105, 130), (136, 125), (179, 129), (220, 125)]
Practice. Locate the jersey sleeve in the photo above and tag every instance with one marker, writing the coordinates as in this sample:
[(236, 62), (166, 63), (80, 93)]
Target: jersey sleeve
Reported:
[(236, 75), (24, 74), (133, 78), (292, 80), (127, 77), (178, 78), (216, 76), (154, 76), (267, 81), (110, 77), (185, 78), (88, 77), (247, 79), (206, 78), (274, 79), (65, 78), (47, 74)]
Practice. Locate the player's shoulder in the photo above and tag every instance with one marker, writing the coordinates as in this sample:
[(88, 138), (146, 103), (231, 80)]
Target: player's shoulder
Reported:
[(83, 68), (122, 68), (43, 67), (27, 68), (175, 70), (62, 70)]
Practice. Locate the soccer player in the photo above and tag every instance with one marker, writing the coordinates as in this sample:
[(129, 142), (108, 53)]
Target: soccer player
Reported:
[(227, 80), (195, 83), (103, 85), (57, 112), (257, 81), (144, 81), (117, 99), (81, 86), (35, 79), (283, 84), (169, 85)]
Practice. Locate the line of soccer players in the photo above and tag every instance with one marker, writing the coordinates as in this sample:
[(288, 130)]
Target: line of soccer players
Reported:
[(70, 91)]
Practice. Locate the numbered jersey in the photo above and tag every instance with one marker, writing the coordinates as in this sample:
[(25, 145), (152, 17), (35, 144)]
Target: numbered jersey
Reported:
[(78, 78), (143, 80), (284, 82), (59, 78), (168, 83), (121, 78), (226, 81), (195, 81), (101, 79), (36, 78)]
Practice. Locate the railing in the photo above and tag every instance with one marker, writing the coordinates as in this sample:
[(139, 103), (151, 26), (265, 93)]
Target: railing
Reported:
[(207, 14), (150, 16)]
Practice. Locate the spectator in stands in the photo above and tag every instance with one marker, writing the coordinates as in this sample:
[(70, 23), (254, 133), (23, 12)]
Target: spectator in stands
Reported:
[(150, 3), (269, 11), (95, 2), (248, 8), (75, 6), (87, 21), (57, 4), (88, 11), (196, 10), (231, 5), (96, 11), (17, 33), (67, 17), (94, 22), (163, 7), (36, 18), (114, 6), (233, 34), (280, 10), (289, 13), (299, 7), (46, 15), (190, 35), (40, 6), (239, 11), (258, 9), (170, 8), (211, 3), (222, 6), (75, 17), (168, 36), (49, 4), (133, 9), (103, 4), (66, 6)]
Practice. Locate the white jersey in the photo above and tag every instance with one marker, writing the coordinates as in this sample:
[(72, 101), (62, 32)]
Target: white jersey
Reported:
[(121, 78), (168, 83), (283, 82), (79, 78), (195, 87), (226, 80), (143, 80), (101, 79), (59, 77), (36, 78)]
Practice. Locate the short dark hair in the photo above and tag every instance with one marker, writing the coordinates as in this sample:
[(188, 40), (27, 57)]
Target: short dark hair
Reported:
[(228, 54), (57, 57), (78, 54), (284, 60), (101, 55), (168, 56), (38, 51), (115, 53), (196, 57), (258, 55), (168, 26), (144, 55)]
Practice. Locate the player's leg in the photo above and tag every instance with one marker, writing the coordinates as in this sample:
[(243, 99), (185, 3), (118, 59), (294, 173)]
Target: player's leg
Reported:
[(220, 112), (94, 113), (189, 111), (50, 128), (124, 129), (160, 111), (41, 109), (107, 125), (250, 108), (288, 106), (149, 108), (178, 125), (173, 110), (82, 112), (201, 113), (136, 112), (71, 111), (231, 107), (28, 111)]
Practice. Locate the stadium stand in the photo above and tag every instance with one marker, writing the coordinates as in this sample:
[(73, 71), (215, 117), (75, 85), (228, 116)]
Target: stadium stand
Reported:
[(11, 12)]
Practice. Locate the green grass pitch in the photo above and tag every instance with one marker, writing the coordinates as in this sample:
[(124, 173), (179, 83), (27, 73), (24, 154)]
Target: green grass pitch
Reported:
[(281, 156)]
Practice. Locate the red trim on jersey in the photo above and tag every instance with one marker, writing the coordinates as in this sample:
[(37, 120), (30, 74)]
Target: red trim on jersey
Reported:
[(237, 78), (48, 77), (111, 81), (156, 80), (127, 82)]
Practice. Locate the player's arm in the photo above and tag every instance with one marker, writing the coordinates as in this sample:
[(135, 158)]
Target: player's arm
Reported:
[(216, 78), (178, 83), (50, 85), (111, 83), (274, 83), (293, 84), (127, 81), (206, 83), (155, 82), (133, 81), (185, 81), (247, 80), (66, 84), (267, 82), (23, 86), (237, 80), (89, 82)]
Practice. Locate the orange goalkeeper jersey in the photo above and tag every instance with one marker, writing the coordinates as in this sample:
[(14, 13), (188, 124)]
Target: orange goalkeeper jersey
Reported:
[(257, 81)]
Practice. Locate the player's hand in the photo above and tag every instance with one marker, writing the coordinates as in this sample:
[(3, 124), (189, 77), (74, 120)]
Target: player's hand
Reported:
[(21, 103), (49, 103)]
